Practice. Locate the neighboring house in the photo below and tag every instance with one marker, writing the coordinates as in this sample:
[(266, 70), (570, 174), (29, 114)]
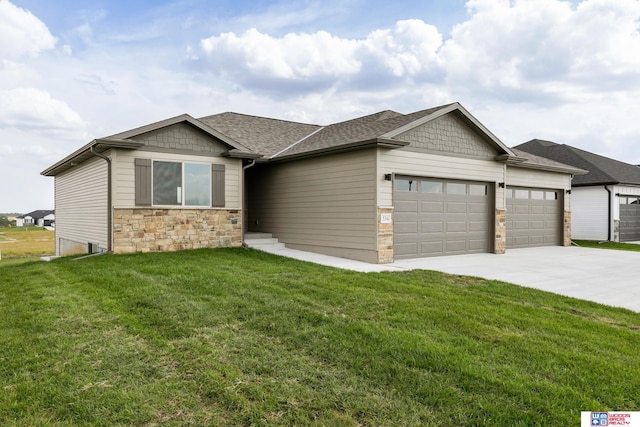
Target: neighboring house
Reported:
[(41, 218), (375, 188), (605, 201)]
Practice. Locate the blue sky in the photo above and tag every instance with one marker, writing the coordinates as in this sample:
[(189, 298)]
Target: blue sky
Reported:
[(72, 71)]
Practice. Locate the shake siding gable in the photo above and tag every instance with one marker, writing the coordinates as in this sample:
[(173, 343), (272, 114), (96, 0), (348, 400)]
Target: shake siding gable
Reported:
[(81, 207), (325, 204)]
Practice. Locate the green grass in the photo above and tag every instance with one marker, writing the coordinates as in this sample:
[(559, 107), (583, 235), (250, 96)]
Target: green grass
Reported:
[(239, 337), (608, 245), (26, 242)]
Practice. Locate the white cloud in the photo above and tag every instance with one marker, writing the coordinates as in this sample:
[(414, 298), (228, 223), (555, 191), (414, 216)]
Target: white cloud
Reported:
[(545, 48), (29, 108), (21, 33), (257, 58)]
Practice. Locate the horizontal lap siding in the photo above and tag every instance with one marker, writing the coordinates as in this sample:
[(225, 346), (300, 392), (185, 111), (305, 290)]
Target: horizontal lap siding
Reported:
[(590, 213), (405, 162), (327, 201), (81, 204), (124, 175)]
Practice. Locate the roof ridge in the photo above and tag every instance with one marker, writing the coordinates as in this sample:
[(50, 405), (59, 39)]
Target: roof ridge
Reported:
[(258, 117)]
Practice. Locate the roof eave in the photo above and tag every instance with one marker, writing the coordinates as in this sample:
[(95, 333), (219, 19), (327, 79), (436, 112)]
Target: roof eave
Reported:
[(237, 154), (84, 153), (549, 168)]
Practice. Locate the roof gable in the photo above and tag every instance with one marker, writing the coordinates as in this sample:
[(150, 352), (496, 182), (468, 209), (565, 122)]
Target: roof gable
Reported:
[(183, 118), (181, 137), (448, 134), (601, 170)]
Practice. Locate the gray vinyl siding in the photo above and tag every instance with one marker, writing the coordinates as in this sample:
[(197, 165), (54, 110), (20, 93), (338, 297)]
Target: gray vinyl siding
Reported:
[(325, 204), (81, 204)]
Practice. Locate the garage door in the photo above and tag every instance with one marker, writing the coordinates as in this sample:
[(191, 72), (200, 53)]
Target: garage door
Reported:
[(441, 217), (629, 218), (534, 217)]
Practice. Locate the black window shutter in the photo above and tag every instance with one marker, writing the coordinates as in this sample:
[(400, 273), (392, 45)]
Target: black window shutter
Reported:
[(143, 182), (217, 185)]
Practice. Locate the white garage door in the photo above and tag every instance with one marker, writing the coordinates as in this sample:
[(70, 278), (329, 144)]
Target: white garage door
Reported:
[(441, 217), (534, 217)]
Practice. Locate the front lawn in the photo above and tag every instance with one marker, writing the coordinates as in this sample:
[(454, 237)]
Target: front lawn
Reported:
[(608, 245), (240, 337)]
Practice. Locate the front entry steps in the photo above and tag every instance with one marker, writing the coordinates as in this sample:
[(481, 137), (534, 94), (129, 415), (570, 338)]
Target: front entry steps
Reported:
[(262, 241)]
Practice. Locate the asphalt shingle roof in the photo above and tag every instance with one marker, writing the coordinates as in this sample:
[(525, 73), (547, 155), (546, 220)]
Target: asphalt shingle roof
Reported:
[(602, 170), (356, 130), (260, 134)]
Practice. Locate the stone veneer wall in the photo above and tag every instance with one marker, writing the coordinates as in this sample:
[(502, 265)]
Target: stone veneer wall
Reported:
[(501, 232), (567, 229), (160, 230), (385, 237)]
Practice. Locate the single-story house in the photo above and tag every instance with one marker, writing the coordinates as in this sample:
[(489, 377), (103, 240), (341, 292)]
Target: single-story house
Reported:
[(40, 218), (606, 200), (376, 188)]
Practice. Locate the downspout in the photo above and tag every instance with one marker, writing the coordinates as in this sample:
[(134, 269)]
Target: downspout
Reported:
[(610, 204), (109, 213)]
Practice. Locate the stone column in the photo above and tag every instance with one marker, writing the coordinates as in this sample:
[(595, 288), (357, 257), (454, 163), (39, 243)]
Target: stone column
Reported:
[(500, 243), (385, 235), (567, 229)]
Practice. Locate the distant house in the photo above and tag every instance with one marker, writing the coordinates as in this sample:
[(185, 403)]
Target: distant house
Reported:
[(605, 202), (41, 218), (376, 188)]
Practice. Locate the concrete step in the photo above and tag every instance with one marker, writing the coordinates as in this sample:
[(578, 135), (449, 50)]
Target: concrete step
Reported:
[(262, 241)]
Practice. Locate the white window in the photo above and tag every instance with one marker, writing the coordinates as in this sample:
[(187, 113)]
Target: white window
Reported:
[(181, 184)]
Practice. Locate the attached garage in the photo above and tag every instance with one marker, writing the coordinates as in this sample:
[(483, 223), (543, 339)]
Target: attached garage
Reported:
[(629, 218), (534, 217), (441, 217)]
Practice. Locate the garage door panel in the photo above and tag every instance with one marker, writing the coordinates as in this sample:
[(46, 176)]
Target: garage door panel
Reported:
[(537, 210), (406, 227), (405, 207), (435, 207), (432, 227), (455, 219), (453, 227), (478, 226), (400, 249), (478, 207), (536, 225), (477, 245), (456, 245), (456, 207), (533, 218), (431, 248)]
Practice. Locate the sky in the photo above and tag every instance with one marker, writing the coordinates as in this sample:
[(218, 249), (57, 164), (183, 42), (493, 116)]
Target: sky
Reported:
[(75, 70)]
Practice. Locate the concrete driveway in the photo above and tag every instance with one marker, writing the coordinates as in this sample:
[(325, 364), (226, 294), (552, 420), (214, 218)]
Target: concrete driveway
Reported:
[(605, 276)]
